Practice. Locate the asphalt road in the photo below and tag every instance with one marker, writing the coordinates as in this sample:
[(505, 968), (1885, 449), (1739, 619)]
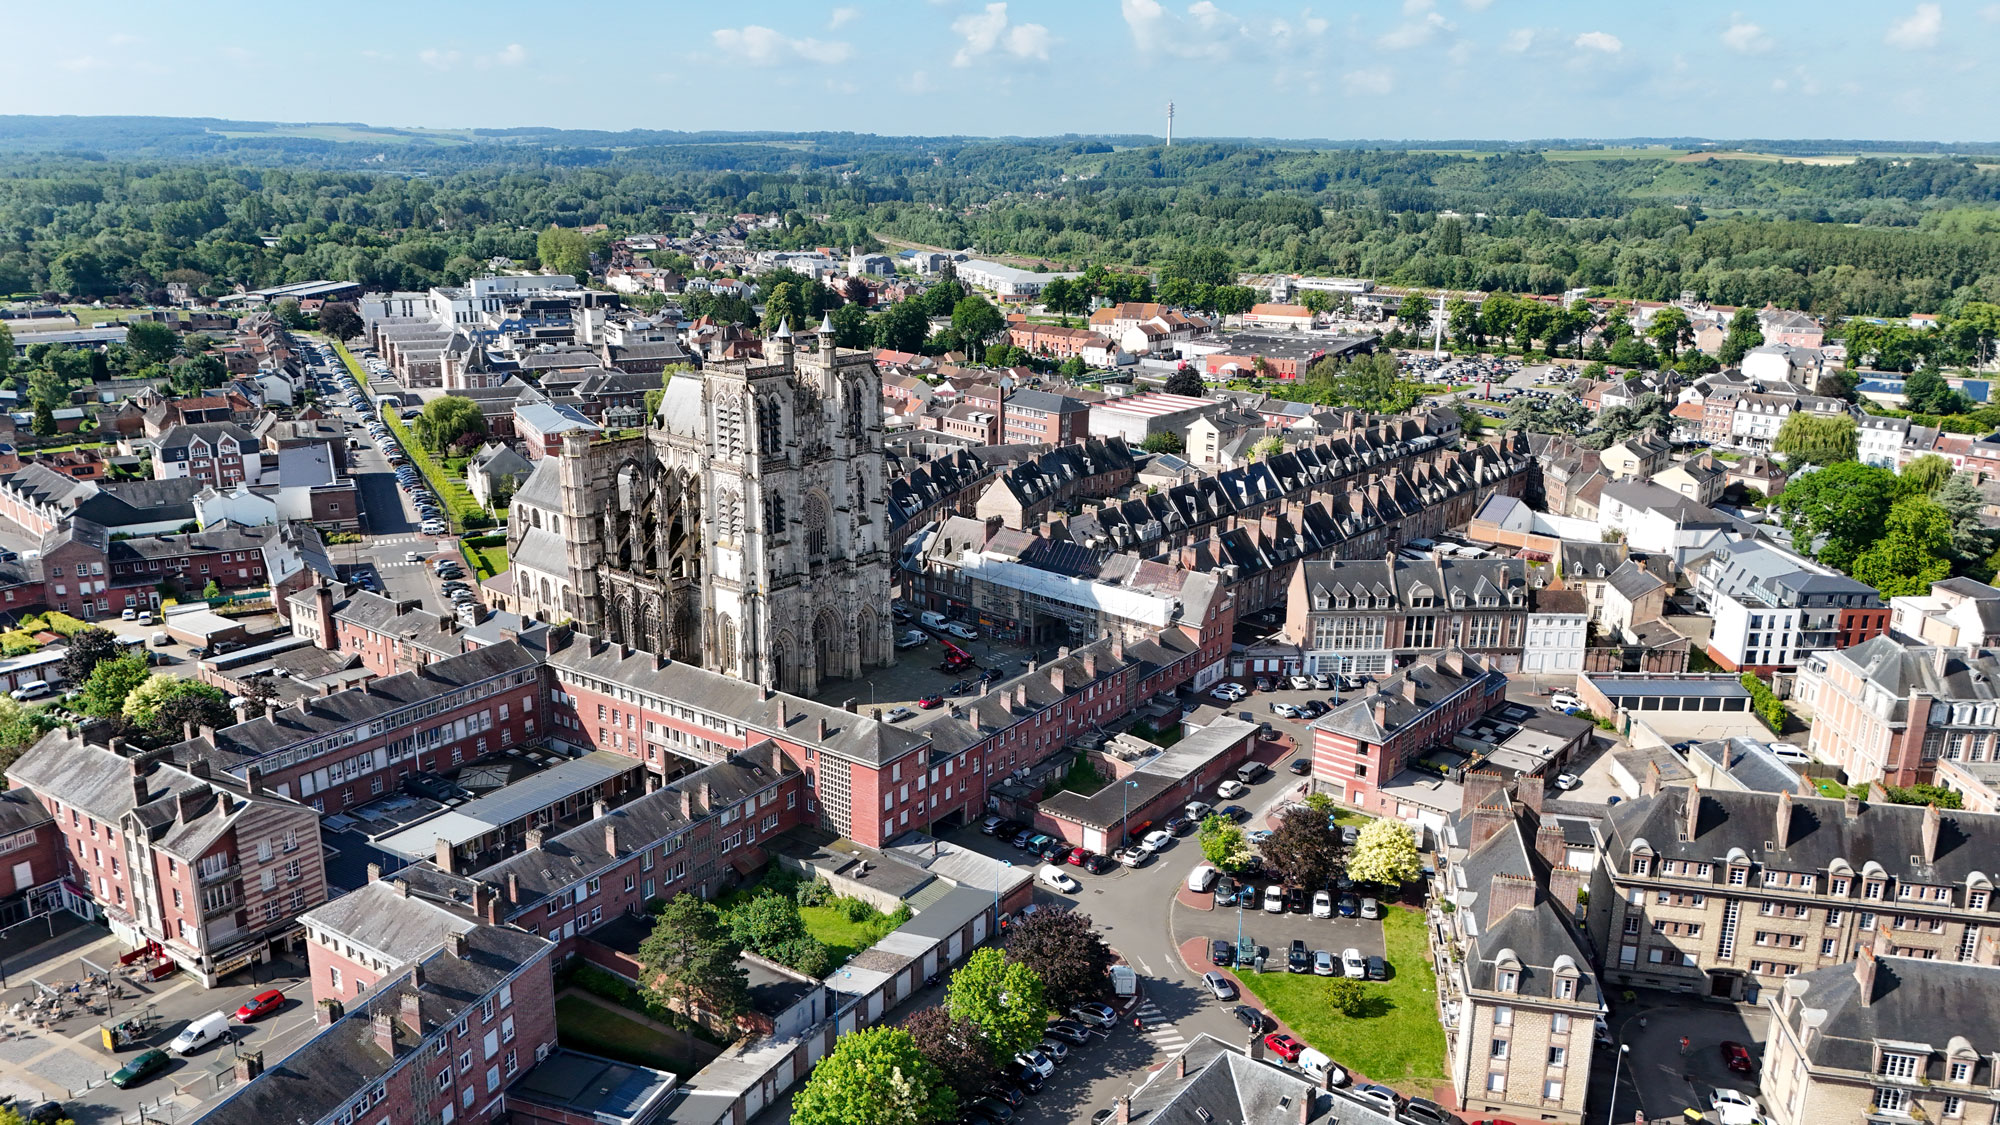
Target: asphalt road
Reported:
[(390, 525)]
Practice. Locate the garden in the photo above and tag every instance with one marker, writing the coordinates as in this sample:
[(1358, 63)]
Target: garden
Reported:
[(486, 555), (1394, 1036), (832, 928)]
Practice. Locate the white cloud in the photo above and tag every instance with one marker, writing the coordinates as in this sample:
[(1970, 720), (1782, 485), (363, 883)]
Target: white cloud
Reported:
[(1208, 31), (1919, 31), (513, 54), (1417, 7), (1745, 37), (1477, 5), (83, 62), (1416, 33), (436, 59), (761, 46), (1599, 41), (1519, 40), (1779, 85), (1990, 13), (123, 39), (1374, 80), (842, 16), (988, 30)]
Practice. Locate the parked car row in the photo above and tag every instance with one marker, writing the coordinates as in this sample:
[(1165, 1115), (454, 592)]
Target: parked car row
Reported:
[(1029, 1071), (1050, 849)]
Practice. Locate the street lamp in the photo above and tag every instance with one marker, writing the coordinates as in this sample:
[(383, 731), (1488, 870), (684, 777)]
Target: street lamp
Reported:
[(1125, 816), (1618, 1061)]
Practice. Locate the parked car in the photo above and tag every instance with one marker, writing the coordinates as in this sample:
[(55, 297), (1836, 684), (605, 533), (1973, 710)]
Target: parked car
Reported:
[(1378, 969), (1383, 1096), (1349, 835), (1323, 963), (1236, 814), (1036, 1061), (991, 825), (1156, 840), (1076, 856), (1734, 1107), (1196, 810), (1132, 857), (1070, 1031), (1274, 899), (1322, 904), (1180, 825), (1231, 789), (1094, 1013), (143, 1066), (1299, 960), (1219, 986), (1312, 709), (1284, 710), (1300, 767), (1353, 964), (1098, 864), (1221, 953), (1736, 1057), (1424, 1111), (1250, 1017), (1370, 908), (1350, 906), (1023, 1075), (1283, 1046), (1300, 683)]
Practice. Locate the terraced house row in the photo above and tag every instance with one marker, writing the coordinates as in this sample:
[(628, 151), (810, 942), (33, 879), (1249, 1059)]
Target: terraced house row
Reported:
[(1726, 893)]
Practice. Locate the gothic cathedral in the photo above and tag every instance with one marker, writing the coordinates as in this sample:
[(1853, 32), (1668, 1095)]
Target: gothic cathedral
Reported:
[(746, 530)]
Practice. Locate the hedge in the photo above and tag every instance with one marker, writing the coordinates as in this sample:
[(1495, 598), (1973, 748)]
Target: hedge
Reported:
[(354, 367), (1766, 703), (463, 511)]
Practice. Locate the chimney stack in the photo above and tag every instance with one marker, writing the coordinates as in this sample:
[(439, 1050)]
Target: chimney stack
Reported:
[(1549, 843), (1781, 820), (1651, 786), (513, 888), (328, 1012), (534, 840), (374, 872), (460, 946), (1564, 883), (1851, 807), (1691, 812), (384, 1025), (412, 1006), (1382, 713), (1180, 1065), (1864, 975), (1479, 785), (822, 730), (1933, 823), (447, 856), (1504, 893), (611, 839), (253, 780)]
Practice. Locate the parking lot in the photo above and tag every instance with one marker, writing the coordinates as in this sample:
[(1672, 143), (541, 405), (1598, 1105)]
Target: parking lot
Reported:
[(916, 674)]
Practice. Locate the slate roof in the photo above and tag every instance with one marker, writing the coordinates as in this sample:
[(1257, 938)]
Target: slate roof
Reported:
[(128, 502), (1943, 1004), (1434, 684), (239, 746), (1820, 835), (174, 443), (1404, 582), (1209, 1081), (1579, 561), (343, 1060), (549, 418), (1753, 766), (1901, 671), (387, 920), (1633, 581)]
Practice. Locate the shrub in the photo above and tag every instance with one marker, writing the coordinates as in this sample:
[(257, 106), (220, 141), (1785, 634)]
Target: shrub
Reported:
[(1766, 703), (65, 625), (815, 893), (1347, 996), (854, 909)]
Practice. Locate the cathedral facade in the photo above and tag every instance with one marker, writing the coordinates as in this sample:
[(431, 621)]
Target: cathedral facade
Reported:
[(746, 530)]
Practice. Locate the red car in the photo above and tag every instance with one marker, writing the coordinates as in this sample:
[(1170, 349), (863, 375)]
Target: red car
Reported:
[(931, 702), (1079, 856), (1736, 1057), (1284, 1046), (260, 1005)]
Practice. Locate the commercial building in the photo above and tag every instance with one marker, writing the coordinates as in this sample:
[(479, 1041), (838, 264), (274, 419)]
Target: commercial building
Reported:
[(1366, 617), (1772, 607), (212, 869), (1149, 785), (1890, 710), (1720, 893), (1009, 283)]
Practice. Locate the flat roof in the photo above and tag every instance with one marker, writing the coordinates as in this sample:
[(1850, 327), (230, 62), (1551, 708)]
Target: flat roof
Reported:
[(477, 817), (589, 1086), (1172, 765)]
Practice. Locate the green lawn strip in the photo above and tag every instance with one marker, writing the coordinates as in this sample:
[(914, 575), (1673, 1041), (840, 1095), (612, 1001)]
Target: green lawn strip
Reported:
[(485, 562), (354, 367), (843, 938), (1346, 817), (1400, 1042), (458, 503), (1830, 788), (598, 1029)]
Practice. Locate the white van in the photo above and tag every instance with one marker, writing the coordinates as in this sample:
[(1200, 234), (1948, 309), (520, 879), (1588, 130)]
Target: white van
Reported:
[(1566, 701), (33, 689), (1315, 1065), (1056, 879), (208, 1029), (1201, 878), (931, 619)]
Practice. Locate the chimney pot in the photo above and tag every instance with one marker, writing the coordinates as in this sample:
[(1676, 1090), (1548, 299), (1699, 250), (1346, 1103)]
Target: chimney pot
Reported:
[(534, 839), (374, 872), (446, 856)]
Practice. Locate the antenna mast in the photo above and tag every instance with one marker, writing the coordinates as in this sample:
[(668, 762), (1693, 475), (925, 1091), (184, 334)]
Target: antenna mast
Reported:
[(1170, 124)]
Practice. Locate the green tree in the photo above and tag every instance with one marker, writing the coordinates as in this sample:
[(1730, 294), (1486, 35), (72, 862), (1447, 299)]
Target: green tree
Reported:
[(1926, 392), (1837, 511), (1971, 540), (151, 342), (563, 250), (1004, 1000), (1233, 300), (1199, 267), (165, 706), (1371, 383), (44, 423), (1670, 329), (1414, 310), (290, 315), (974, 321), (1925, 795), (20, 728), (1385, 852), (6, 351), (1223, 843), (1925, 474), (1065, 952), (48, 388), (1266, 448), (447, 418), (902, 327), (1632, 352), (1817, 439), (1347, 996), (111, 683), (260, 694), (1317, 301), (341, 321), (1304, 849), (766, 922), (851, 328), (85, 650), (212, 592), (688, 963), (875, 1076), (1163, 441), (1744, 333), (1073, 368), (1913, 553), (1063, 297), (955, 1047), (783, 305)]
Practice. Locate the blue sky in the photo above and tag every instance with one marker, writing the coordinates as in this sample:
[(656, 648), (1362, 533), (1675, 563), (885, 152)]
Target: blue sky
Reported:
[(1386, 69)]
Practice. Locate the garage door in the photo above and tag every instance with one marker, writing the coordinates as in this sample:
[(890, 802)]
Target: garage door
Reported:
[(954, 947)]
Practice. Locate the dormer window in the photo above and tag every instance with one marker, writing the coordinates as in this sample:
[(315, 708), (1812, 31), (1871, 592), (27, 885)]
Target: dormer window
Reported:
[(1875, 889), (1507, 980), (1898, 1065), (1961, 1072), (1840, 885), (1642, 865), (1975, 900), (1319, 601)]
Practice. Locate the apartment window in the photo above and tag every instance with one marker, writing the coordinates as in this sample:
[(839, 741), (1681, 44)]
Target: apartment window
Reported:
[(1553, 1089), (1739, 876), (1899, 1066), (1507, 981), (1954, 1106), (1975, 900), (1559, 1024), (1497, 1082), (1558, 1056), (1503, 1016), (1874, 889), (1839, 885), (1961, 1072), (1833, 917), (1826, 947), (1499, 1049), (1891, 1100)]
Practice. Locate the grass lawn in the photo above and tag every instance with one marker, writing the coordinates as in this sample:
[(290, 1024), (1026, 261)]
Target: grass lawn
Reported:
[(1828, 787), (843, 938), (1345, 817), (1399, 1042), (1082, 778), (458, 503), (485, 561), (586, 1025)]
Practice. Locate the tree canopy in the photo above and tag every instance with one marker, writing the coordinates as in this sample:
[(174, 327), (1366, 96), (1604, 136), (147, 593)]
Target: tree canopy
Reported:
[(875, 1076), (689, 961), (1004, 999), (1064, 950), (1385, 852), (1305, 848)]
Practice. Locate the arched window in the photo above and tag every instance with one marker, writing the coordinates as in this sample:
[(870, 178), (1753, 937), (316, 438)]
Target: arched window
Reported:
[(725, 642), (815, 527)]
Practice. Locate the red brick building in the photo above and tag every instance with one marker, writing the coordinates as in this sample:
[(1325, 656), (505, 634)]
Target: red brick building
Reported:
[(1052, 342), (1370, 738), (338, 750), (212, 869)]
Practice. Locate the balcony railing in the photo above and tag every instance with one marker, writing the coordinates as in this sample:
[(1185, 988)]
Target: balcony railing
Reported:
[(219, 874), (229, 906)]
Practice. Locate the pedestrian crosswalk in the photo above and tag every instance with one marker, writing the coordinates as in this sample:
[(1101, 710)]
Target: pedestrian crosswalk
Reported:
[(1161, 1030)]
